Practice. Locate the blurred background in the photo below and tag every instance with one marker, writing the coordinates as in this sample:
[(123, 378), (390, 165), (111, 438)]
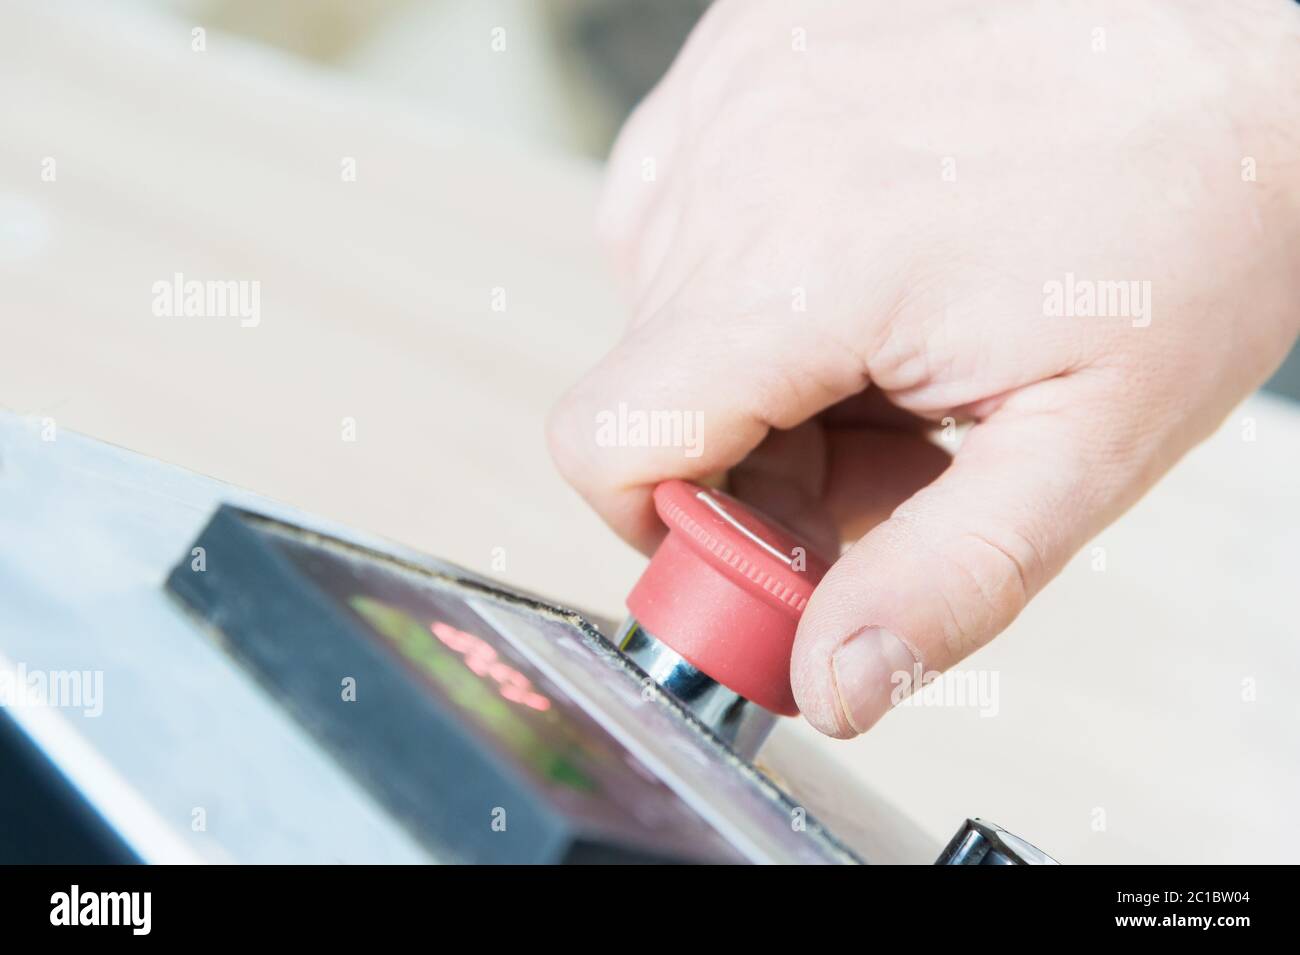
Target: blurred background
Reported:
[(574, 72), (1125, 731)]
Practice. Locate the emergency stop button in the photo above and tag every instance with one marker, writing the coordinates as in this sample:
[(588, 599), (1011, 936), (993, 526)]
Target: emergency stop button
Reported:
[(725, 590)]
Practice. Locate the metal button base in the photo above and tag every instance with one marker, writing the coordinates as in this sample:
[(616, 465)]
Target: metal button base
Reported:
[(740, 723)]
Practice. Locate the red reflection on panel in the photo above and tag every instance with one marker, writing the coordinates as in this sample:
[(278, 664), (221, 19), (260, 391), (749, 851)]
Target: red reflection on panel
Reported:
[(482, 659)]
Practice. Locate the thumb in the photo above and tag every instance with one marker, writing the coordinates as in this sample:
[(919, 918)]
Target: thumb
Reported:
[(955, 564)]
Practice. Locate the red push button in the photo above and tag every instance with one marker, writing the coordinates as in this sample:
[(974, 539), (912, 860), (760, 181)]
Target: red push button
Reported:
[(726, 589)]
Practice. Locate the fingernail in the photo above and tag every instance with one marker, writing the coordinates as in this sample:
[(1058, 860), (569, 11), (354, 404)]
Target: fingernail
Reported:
[(867, 668)]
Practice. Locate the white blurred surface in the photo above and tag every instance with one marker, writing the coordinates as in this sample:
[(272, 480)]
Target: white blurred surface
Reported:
[(1122, 734)]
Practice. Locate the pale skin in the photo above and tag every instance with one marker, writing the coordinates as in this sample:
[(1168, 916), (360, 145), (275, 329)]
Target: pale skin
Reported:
[(839, 246)]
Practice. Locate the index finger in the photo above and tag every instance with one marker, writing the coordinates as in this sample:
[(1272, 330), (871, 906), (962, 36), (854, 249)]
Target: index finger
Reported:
[(683, 398)]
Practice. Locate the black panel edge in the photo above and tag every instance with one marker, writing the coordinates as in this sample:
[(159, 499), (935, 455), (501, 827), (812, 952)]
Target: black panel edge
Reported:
[(44, 818)]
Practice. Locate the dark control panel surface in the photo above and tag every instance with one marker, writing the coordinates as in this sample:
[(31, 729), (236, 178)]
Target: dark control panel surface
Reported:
[(429, 705)]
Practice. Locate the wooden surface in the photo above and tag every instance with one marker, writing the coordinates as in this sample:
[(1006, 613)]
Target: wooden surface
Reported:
[(1146, 710)]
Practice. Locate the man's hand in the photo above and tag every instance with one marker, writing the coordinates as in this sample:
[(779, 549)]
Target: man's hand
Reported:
[(1074, 225)]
